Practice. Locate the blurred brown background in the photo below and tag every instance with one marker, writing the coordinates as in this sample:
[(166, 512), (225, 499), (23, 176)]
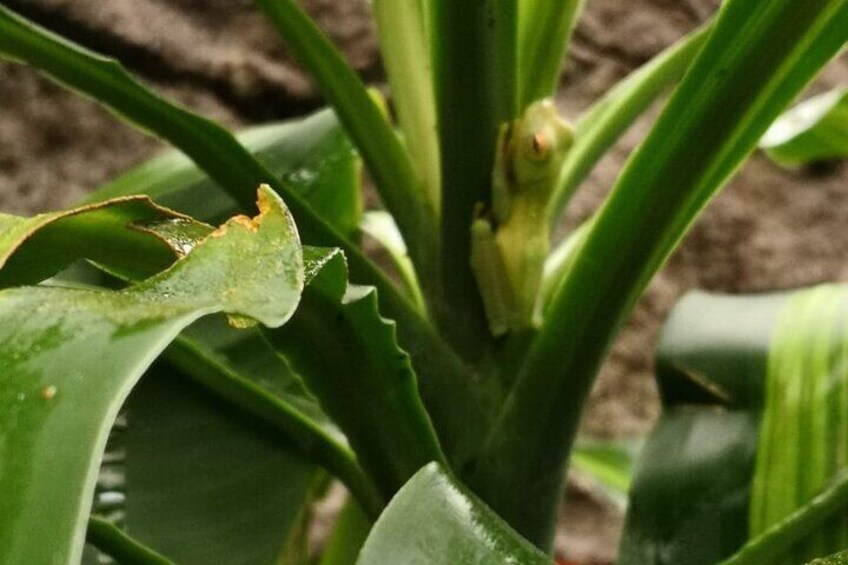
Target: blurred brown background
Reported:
[(770, 229)]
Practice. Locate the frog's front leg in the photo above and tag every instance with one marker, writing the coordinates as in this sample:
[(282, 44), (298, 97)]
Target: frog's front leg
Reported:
[(492, 278)]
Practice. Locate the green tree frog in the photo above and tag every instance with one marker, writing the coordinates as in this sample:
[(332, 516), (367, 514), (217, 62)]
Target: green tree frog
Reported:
[(510, 239)]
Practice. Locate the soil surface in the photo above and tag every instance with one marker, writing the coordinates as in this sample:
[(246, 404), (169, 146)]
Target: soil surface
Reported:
[(769, 229)]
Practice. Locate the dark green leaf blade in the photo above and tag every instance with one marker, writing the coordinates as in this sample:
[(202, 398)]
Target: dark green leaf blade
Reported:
[(312, 155), (71, 356), (434, 519), (204, 485), (349, 358)]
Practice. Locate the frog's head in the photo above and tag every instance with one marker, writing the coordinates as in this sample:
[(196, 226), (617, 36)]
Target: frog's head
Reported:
[(539, 141)]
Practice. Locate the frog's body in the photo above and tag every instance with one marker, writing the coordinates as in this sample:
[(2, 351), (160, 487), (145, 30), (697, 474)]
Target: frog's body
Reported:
[(510, 240)]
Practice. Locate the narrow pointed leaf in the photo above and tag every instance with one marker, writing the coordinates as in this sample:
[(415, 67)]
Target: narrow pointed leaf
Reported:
[(434, 519), (544, 32), (384, 155), (599, 127), (814, 130), (65, 349)]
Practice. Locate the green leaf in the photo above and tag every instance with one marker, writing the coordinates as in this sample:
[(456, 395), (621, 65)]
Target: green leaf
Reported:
[(758, 57), (815, 130), (384, 155), (544, 30), (71, 356), (610, 463), (349, 358), (349, 534), (689, 501), (312, 156), (383, 229), (460, 417), (748, 446), (434, 519), (804, 431), (840, 558), (404, 44), (608, 118), (36, 248), (204, 485), (119, 546)]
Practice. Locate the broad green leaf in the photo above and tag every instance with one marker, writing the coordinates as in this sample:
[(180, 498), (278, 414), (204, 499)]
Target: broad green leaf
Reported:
[(804, 431), (71, 356), (434, 519), (805, 523), (544, 31), (757, 58), (349, 358), (461, 417), (814, 130), (748, 440), (312, 155), (203, 485), (384, 155), (689, 501), (36, 248)]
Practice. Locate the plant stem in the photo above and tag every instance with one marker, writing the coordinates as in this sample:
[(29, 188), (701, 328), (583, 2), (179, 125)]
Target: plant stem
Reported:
[(112, 541), (757, 59), (776, 542), (384, 155), (473, 46)]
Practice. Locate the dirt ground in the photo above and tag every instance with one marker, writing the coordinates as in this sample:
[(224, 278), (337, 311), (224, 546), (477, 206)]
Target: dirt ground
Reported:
[(769, 229)]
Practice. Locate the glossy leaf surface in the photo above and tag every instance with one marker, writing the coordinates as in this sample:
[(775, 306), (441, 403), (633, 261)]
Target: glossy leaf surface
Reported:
[(71, 356), (814, 130), (434, 519)]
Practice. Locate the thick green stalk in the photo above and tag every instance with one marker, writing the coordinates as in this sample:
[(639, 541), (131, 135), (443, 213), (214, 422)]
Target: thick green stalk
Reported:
[(544, 31), (313, 442), (112, 541), (383, 153), (218, 153), (473, 46), (402, 25), (757, 59), (608, 118), (776, 543)]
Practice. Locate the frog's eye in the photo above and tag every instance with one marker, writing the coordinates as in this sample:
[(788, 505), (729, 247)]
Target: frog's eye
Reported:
[(537, 146)]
